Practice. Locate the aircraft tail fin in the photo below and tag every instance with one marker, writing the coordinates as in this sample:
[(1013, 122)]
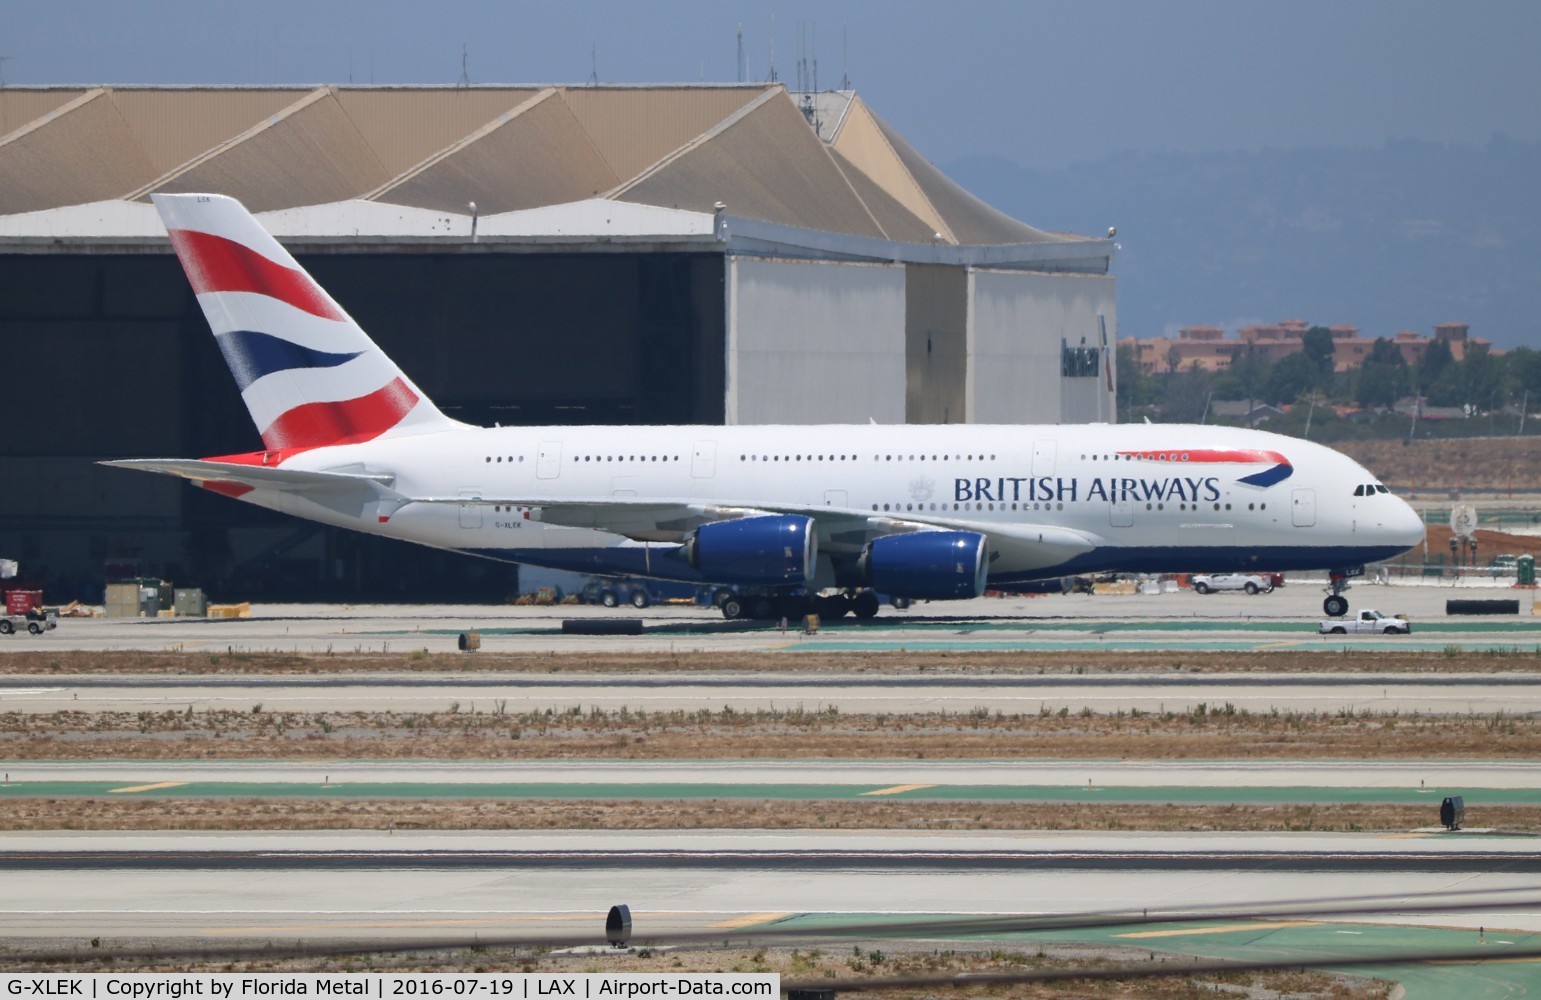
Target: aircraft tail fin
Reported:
[(309, 374)]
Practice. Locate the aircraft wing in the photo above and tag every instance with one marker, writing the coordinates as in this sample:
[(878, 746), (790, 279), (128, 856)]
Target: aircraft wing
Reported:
[(255, 476), (840, 529)]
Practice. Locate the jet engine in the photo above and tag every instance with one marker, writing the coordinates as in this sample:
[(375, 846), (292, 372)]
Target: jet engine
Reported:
[(770, 550), (937, 565)]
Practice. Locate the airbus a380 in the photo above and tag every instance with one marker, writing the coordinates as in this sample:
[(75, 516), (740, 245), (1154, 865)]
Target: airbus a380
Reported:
[(923, 512)]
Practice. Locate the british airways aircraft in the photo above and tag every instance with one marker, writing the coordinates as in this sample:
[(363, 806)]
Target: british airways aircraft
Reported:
[(819, 515)]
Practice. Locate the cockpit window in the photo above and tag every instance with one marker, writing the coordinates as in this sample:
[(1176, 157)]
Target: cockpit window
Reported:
[(1381, 489), (1359, 490)]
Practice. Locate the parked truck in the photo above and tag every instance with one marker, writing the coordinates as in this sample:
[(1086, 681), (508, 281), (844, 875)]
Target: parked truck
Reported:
[(1367, 621)]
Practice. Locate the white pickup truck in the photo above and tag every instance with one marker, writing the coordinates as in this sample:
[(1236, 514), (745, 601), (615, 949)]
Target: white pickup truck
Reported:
[(1252, 583), (1367, 621)]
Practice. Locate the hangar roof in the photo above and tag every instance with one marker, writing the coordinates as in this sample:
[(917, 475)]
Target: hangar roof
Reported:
[(74, 160)]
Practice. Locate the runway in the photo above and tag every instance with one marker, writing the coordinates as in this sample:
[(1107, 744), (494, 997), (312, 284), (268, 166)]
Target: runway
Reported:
[(428, 885), (1395, 776), (417, 886), (1420, 784), (1285, 619)]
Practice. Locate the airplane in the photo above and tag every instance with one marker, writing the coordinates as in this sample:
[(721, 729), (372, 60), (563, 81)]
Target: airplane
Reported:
[(811, 517)]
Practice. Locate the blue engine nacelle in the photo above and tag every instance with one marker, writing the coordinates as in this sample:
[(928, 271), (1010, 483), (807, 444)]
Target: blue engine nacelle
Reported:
[(935, 565), (770, 550)]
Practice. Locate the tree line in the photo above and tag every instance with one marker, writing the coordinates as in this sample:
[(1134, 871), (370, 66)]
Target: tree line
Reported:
[(1482, 384)]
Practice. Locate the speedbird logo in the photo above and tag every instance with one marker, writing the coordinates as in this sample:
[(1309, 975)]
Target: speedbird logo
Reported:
[(1279, 467)]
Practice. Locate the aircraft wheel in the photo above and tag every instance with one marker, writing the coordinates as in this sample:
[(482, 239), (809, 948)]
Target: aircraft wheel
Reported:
[(640, 600), (1336, 606), (609, 599), (831, 608), (732, 607), (865, 604)]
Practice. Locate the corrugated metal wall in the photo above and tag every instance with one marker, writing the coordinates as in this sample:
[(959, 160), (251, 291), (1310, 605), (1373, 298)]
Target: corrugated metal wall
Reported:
[(1018, 323), (813, 343), (936, 343)]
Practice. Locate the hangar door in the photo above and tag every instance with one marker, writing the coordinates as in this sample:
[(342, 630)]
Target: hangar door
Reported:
[(815, 342)]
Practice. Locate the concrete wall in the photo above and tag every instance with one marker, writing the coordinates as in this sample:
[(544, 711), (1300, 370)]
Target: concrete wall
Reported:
[(1017, 325), (935, 343), (812, 343)]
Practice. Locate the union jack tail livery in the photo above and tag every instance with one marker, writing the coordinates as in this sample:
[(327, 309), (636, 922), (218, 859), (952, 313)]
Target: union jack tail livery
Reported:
[(310, 376)]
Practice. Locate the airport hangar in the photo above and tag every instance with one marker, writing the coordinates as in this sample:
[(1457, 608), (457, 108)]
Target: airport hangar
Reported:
[(651, 254)]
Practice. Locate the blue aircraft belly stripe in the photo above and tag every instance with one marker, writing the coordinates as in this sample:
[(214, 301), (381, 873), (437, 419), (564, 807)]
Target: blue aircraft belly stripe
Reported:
[(662, 562), (252, 354)]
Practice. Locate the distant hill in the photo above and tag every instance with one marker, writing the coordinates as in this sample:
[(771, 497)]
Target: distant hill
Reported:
[(1399, 237), (1497, 466)]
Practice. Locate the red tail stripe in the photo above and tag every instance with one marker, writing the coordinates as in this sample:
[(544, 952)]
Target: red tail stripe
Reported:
[(226, 489), (315, 425), (216, 264)]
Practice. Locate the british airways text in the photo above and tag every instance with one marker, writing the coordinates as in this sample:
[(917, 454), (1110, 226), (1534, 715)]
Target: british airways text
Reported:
[(1107, 489)]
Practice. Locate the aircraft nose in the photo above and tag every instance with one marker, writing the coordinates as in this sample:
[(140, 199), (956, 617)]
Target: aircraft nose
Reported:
[(1403, 525)]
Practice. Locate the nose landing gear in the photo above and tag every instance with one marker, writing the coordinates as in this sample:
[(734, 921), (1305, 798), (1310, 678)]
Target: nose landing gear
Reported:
[(1336, 605)]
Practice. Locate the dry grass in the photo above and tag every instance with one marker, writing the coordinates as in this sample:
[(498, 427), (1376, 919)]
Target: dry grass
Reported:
[(726, 814), (810, 966), (1489, 544), (1207, 732), (1451, 463), (961, 662)]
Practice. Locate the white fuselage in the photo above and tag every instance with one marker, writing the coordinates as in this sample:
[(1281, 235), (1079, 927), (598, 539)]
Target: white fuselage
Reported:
[(1145, 497)]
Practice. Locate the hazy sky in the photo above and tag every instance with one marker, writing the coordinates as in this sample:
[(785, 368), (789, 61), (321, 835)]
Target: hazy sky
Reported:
[(1043, 84)]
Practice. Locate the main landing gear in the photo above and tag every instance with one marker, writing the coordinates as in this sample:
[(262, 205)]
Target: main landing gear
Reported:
[(769, 607), (1336, 605)]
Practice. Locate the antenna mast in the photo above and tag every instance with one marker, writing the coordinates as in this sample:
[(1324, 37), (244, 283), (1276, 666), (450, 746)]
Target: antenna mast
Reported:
[(465, 74), (741, 53), (807, 78), (845, 60), (772, 77)]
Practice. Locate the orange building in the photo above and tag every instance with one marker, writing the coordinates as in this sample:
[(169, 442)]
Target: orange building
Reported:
[(1211, 349)]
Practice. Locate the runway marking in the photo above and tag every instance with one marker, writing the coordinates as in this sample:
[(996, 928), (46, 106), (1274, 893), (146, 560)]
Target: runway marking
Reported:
[(1226, 929), (896, 789), (145, 788), (750, 920)]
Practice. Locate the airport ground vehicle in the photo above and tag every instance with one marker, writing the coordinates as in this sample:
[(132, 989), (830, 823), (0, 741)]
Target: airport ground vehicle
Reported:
[(1367, 621), (1252, 583), (37, 621), (639, 593)]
